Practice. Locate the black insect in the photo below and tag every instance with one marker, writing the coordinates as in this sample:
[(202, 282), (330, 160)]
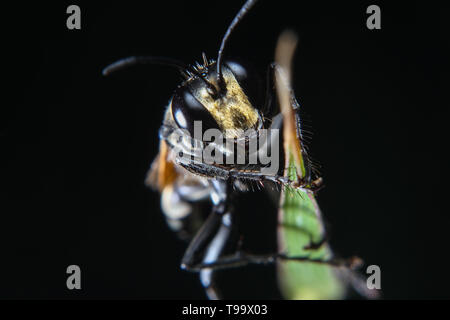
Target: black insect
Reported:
[(221, 95)]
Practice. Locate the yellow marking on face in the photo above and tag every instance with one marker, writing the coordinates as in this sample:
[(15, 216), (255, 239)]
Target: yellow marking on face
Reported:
[(232, 111)]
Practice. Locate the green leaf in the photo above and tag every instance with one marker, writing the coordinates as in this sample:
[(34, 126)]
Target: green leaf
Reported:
[(300, 226)]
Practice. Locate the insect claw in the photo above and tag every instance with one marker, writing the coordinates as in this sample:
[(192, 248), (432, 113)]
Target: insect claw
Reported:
[(355, 262), (315, 245), (317, 183)]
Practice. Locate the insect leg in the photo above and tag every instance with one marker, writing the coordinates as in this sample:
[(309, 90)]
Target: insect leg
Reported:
[(213, 252), (226, 174), (241, 258), (211, 240), (269, 110)]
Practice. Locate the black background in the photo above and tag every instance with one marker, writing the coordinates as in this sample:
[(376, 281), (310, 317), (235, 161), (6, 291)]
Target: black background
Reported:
[(76, 146)]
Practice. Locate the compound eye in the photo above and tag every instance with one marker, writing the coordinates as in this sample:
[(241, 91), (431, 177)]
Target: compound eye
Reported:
[(239, 71), (186, 109), (248, 79)]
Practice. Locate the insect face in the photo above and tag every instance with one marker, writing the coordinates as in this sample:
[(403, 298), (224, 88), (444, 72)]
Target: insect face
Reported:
[(230, 110)]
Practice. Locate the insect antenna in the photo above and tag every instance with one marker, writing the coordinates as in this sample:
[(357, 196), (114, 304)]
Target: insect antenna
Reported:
[(240, 15), (132, 61), (185, 69)]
